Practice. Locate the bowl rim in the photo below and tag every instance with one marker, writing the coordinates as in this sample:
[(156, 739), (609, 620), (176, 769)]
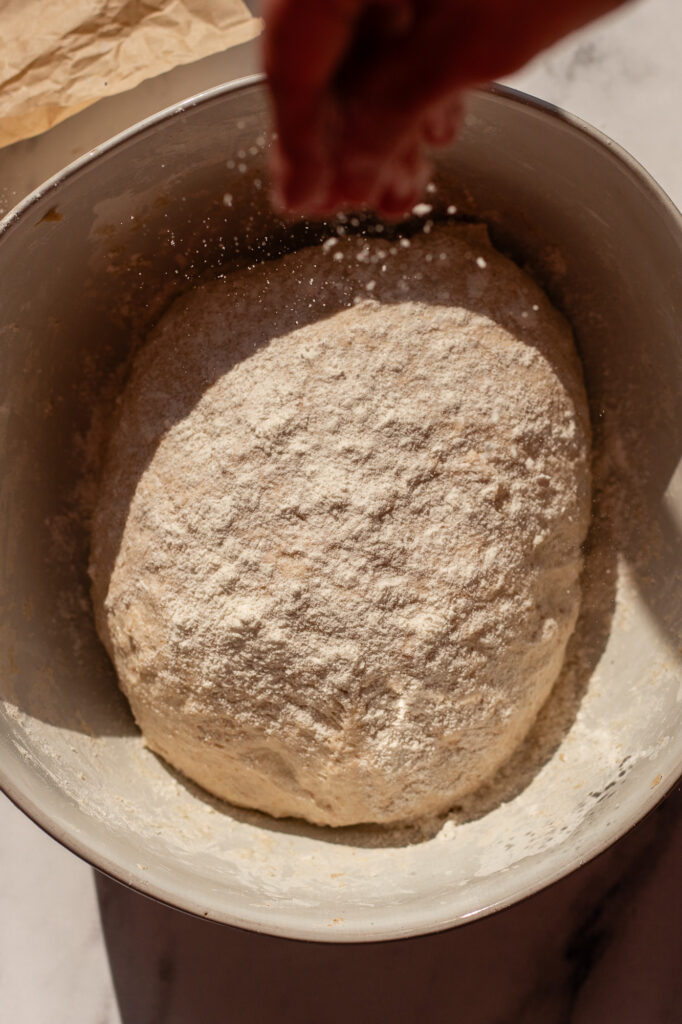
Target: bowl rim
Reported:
[(247, 81), (289, 925)]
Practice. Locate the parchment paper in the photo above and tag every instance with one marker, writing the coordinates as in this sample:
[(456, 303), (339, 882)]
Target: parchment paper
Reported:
[(59, 56)]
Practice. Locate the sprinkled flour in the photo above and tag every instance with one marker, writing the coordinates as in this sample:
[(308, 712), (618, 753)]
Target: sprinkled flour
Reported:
[(336, 553)]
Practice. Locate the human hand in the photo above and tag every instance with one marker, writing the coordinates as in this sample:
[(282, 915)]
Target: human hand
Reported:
[(361, 88)]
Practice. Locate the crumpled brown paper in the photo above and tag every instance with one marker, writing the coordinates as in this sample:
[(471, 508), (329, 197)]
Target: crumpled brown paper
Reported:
[(59, 56)]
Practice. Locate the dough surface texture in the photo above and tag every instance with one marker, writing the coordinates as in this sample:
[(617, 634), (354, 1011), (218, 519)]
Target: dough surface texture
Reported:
[(337, 547)]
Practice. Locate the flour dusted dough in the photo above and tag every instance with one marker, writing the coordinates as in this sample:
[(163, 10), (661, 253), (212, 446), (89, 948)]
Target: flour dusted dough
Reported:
[(336, 554)]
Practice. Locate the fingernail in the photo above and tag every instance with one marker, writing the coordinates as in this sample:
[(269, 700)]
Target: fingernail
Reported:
[(357, 179), (296, 191), (396, 203)]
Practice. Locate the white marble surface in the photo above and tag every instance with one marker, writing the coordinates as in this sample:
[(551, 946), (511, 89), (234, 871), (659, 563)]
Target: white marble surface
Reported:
[(604, 945)]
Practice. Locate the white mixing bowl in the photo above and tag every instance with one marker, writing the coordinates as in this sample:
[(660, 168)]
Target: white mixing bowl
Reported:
[(86, 262)]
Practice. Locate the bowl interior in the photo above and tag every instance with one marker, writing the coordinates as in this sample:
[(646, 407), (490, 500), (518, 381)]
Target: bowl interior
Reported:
[(85, 267)]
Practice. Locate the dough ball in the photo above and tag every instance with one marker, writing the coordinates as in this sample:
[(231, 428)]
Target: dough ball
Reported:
[(337, 549)]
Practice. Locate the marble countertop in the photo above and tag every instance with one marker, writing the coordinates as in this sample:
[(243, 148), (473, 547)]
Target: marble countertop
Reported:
[(603, 945)]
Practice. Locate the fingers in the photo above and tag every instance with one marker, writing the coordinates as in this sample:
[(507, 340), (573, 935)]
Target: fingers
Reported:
[(309, 45), (305, 41), (388, 111), (405, 183), (413, 88), (304, 44), (360, 87)]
